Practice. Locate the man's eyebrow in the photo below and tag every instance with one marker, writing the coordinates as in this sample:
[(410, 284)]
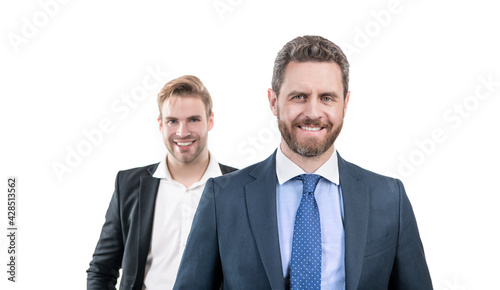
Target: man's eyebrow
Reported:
[(333, 94), (323, 94), (175, 118)]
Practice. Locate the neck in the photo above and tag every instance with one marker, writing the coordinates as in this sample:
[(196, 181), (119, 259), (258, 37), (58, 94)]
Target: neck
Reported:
[(188, 173), (308, 164)]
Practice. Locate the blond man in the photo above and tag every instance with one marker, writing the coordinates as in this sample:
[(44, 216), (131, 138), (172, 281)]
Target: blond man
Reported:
[(150, 213)]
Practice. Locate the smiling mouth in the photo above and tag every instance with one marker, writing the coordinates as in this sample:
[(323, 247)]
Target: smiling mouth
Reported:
[(312, 129), (184, 144)]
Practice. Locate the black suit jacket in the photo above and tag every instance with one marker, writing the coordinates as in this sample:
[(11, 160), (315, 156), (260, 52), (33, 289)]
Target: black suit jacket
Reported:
[(234, 240), (126, 233)]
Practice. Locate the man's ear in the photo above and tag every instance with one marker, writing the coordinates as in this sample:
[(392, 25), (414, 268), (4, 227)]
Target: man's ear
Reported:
[(346, 101), (160, 123), (273, 101), (211, 122)]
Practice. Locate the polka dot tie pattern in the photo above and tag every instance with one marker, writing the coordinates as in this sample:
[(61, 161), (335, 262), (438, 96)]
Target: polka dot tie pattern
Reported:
[(305, 271)]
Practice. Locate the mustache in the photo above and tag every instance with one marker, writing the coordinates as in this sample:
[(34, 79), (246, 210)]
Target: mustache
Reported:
[(311, 122)]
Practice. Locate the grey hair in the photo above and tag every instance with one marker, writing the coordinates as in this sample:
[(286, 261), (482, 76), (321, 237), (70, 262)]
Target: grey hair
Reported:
[(309, 48)]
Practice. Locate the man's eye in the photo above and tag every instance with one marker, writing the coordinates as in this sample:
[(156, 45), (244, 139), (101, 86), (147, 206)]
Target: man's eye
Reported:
[(171, 121), (195, 120), (327, 99), (299, 97)]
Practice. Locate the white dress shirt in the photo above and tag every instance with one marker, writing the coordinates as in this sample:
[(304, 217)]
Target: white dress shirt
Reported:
[(173, 214), (328, 196)]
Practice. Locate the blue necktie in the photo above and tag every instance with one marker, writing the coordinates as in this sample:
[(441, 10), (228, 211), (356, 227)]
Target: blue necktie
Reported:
[(305, 271)]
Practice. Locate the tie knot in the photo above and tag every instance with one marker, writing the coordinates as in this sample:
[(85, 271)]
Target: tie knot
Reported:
[(310, 181)]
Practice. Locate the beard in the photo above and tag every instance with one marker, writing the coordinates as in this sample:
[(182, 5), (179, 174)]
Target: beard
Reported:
[(310, 147)]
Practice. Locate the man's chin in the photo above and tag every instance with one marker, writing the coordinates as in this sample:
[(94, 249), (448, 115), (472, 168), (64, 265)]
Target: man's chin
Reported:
[(310, 148), (184, 159), (181, 157), (309, 152)]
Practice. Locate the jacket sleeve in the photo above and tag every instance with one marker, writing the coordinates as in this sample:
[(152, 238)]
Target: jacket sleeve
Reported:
[(107, 259), (410, 269), (200, 266)]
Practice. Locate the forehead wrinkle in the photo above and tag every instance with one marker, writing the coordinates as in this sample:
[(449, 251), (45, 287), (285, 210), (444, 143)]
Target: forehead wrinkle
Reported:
[(307, 87), (296, 70)]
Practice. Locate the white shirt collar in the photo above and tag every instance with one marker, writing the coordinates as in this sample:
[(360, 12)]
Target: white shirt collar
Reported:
[(213, 170), (286, 169), (162, 170)]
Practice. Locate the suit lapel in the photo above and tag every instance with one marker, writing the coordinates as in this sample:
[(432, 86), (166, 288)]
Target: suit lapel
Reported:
[(148, 190), (356, 205), (261, 206)]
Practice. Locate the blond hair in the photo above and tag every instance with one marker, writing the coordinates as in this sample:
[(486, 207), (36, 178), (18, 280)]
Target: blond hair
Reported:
[(183, 86)]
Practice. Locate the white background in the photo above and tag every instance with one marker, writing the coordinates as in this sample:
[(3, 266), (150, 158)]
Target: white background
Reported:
[(67, 67)]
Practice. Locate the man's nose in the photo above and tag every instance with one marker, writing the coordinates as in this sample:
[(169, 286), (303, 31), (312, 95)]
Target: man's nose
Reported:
[(182, 130), (312, 109)]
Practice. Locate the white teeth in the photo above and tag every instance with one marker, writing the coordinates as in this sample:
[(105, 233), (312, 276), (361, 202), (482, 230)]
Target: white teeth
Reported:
[(182, 144), (311, 128)]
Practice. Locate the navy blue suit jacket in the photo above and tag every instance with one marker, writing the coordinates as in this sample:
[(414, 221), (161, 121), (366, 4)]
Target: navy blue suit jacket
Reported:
[(234, 240)]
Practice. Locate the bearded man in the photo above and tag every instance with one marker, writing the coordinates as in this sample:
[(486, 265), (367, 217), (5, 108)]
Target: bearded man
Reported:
[(305, 218)]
